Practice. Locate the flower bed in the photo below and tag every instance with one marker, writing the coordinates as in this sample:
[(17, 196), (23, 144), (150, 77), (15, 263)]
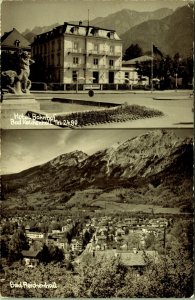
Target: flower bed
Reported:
[(121, 113)]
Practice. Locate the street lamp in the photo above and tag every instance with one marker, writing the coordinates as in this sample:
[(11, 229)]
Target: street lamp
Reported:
[(176, 80)]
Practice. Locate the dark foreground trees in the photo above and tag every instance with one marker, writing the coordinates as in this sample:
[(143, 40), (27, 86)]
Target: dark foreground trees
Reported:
[(170, 276)]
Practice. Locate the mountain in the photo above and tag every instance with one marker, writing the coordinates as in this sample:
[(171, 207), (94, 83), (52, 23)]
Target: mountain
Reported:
[(120, 21), (125, 19), (30, 34), (171, 34), (159, 159), (171, 31)]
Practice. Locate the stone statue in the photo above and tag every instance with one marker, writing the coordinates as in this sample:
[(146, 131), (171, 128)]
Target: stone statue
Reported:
[(18, 83)]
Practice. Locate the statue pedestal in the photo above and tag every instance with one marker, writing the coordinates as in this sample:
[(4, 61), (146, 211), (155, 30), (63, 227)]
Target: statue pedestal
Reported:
[(14, 107)]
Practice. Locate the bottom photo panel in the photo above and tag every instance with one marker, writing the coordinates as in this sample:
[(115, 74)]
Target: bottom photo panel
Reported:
[(97, 213)]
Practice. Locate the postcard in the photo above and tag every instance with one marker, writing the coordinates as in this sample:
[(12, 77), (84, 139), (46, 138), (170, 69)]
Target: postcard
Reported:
[(97, 64), (97, 120)]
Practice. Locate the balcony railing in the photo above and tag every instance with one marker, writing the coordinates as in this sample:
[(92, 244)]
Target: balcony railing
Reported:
[(96, 67), (101, 66), (76, 51), (114, 54), (114, 67), (94, 52), (97, 52), (74, 66)]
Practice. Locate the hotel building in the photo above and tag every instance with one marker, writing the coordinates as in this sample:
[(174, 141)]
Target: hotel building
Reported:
[(79, 53)]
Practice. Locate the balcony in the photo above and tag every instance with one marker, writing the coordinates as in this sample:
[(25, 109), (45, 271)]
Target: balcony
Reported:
[(75, 66), (96, 52), (114, 54), (75, 51), (96, 67), (114, 67)]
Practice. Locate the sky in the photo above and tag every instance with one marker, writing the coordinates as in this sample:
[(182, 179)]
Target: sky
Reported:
[(22, 149), (26, 14)]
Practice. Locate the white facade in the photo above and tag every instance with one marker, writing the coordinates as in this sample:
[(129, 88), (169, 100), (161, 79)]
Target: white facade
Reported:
[(80, 53), (35, 235), (128, 75)]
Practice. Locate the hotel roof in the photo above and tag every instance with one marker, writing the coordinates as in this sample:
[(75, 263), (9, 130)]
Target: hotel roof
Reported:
[(77, 29)]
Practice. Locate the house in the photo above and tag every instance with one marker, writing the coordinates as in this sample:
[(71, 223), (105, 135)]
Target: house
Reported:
[(78, 53), (135, 258), (35, 235), (66, 227), (137, 60), (14, 40), (130, 68), (129, 75), (30, 257), (76, 245), (54, 231), (61, 244)]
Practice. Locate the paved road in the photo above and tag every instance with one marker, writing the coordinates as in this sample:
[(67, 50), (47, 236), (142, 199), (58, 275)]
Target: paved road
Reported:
[(177, 106)]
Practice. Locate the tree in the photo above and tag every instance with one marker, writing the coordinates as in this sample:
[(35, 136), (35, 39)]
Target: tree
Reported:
[(44, 255), (133, 51), (171, 276), (66, 283), (4, 246), (17, 243), (51, 253), (102, 279), (56, 254)]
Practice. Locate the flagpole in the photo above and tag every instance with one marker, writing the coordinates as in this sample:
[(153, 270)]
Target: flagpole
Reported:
[(152, 68)]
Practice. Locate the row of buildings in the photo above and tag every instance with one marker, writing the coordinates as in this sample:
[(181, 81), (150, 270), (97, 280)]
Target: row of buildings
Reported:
[(79, 54), (107, 235)]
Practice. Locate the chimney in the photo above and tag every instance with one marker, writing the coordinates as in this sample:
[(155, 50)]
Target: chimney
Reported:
[(80, 23)]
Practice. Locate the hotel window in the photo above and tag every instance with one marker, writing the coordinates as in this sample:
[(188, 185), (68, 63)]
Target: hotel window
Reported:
[(94, 31), (110, 34), (74, 76), (95, 61), (75, 60), (127, 75), (111, 49), (75, 46), (74, 29), (111, 63), (96, 47)]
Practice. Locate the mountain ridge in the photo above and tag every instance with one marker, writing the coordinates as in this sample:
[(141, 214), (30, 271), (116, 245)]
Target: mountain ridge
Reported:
[(158, 158), (171, 34), (120, 21), (171, 31)]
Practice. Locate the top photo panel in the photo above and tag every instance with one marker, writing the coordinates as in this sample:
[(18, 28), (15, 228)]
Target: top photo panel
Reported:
[(97, 64)]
